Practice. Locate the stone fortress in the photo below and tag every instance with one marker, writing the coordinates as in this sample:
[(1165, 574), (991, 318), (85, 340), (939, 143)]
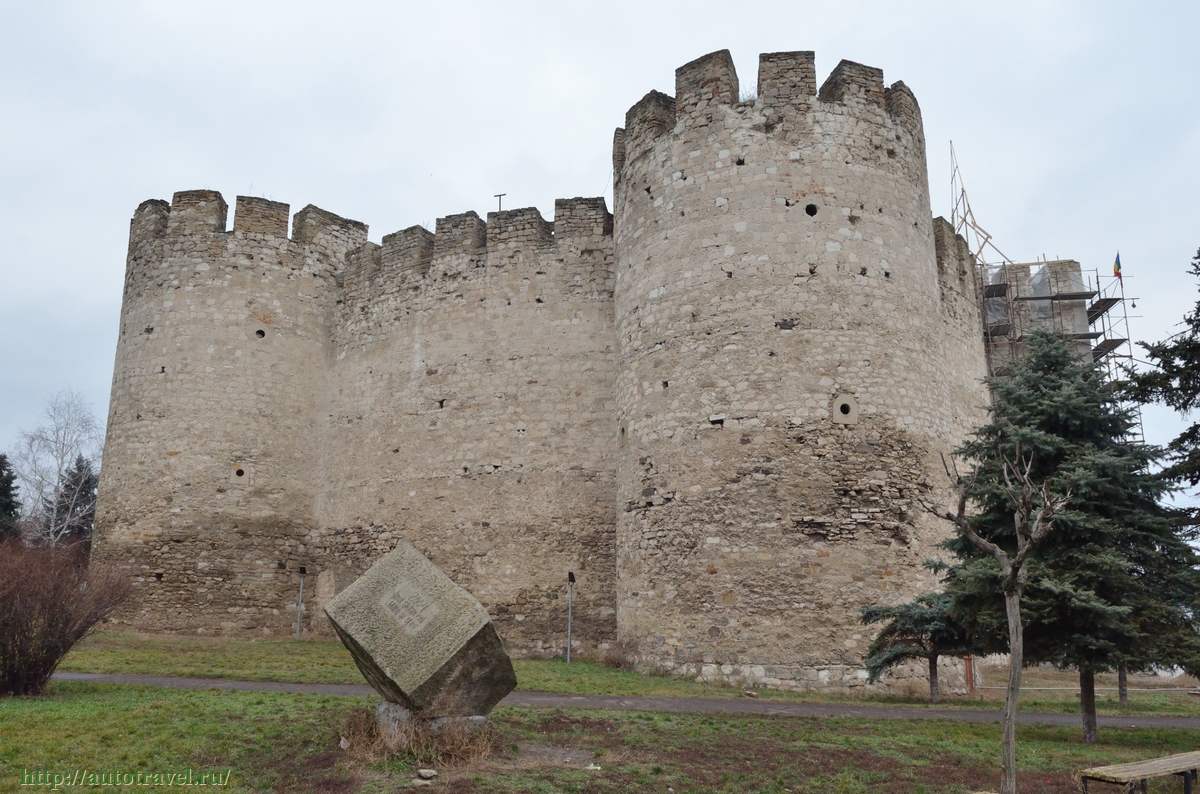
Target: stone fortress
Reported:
[(718, 405)]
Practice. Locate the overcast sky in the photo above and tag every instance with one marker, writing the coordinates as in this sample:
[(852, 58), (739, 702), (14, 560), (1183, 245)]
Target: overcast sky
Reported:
[(1077, 127)]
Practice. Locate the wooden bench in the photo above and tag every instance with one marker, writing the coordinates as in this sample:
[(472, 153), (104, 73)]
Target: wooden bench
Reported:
[(1134, 775)]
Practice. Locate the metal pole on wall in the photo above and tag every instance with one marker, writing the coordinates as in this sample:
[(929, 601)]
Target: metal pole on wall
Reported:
[(570, 603), (300, 601)]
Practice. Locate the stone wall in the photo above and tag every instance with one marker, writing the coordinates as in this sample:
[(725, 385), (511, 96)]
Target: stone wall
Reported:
[(718, 407), (791, 364), (472, 414)]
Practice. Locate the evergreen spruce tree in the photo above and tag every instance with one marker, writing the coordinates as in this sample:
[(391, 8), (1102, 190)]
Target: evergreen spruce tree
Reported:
[(1116, 583), (924, 628), (1175, 382), (71, 513), (9, 504)]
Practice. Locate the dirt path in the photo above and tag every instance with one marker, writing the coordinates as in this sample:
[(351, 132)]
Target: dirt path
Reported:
[(681, 704)]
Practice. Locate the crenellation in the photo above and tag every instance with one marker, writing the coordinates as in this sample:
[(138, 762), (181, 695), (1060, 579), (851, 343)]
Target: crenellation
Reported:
[(577, 219), (618, 149), (787, 78), (902, 106), (719, 405), (649, 119), (510, 232), (261, 216), (327, 233), (853, 84), (459, 234), (407, 252), (709, 80), (195, 212), (149, 223)]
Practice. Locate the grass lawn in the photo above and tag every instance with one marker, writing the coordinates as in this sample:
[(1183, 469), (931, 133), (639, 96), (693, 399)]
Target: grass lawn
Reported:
[(279, 742), (328, 662)]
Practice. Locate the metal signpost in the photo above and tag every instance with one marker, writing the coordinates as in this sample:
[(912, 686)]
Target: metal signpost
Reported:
[(570, 600)]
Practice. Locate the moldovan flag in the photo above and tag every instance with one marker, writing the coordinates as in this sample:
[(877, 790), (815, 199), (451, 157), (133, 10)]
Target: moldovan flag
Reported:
[(1117, 266)]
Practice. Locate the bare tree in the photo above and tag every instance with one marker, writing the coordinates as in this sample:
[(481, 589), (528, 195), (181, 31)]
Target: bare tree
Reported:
[(48, 460), (1034, 509)]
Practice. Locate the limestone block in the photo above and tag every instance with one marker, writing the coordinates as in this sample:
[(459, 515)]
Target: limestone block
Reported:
[(421, 640)]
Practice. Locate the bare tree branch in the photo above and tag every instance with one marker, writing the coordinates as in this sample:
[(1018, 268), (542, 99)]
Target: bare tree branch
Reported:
[(68, 430)]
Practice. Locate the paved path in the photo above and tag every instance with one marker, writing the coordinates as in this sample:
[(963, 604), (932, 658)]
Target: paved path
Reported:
[(782, 708)]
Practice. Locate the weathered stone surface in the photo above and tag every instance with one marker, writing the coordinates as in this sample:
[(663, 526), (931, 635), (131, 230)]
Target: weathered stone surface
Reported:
[(650, 398), (421, 640)]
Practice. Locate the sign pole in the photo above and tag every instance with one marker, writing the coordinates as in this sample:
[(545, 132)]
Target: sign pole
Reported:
[(570, 604), (299, 605)]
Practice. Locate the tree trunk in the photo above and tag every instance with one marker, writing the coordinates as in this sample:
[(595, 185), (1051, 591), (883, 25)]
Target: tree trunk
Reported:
[(1123, 686), (1016, 661), (933, 680), (1087, 704)]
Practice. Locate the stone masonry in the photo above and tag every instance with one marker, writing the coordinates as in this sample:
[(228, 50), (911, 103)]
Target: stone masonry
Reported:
[(718, 405)]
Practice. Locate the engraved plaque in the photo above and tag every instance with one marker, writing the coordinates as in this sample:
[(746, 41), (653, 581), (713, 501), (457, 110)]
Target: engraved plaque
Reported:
[(410, 608)]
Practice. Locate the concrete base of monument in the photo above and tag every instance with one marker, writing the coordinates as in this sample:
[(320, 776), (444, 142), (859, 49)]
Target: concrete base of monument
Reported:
[(400, 728)]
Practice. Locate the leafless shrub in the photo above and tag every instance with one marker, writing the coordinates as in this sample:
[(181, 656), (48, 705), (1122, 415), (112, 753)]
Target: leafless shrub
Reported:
[(451, 744), (619, 656), (50, 599)]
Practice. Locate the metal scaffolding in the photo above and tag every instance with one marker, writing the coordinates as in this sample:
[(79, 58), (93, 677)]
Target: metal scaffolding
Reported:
[(1016, 299)]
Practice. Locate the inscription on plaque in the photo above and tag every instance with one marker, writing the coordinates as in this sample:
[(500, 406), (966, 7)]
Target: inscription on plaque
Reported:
[(410, 608)]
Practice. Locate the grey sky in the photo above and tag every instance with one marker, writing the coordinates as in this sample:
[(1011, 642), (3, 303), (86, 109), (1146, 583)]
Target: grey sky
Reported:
[(1077, 126)]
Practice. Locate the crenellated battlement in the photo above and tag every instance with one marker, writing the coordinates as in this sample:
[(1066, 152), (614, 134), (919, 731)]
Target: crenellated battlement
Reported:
[(788, 105), (464, 246)]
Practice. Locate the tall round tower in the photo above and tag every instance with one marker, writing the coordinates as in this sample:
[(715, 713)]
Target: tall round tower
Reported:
[(792, 362), (210, 471)]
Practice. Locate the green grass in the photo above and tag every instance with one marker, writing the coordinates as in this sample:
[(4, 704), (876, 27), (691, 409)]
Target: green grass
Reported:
[(280, 742), (328, 662)]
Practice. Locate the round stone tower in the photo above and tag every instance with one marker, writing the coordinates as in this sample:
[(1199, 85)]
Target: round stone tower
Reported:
[(211, 456), (792, 362)]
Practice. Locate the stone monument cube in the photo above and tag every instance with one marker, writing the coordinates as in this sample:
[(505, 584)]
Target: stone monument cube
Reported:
[(422, 641)]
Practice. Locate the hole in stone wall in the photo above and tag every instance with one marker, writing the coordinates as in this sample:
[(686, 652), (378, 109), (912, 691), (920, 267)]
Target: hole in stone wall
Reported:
[(845, 410), (717, 421), (261, 334), (280, 565), (162, 370), (887, 274), (786, 324), (441, 403), (149, 329), (728, 274), (811, 210), (541, 300), (158, 576), (666, 383), (862, 271), (240, 472), (303, 571), (812, 270), (741, 161), (622, 436)]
